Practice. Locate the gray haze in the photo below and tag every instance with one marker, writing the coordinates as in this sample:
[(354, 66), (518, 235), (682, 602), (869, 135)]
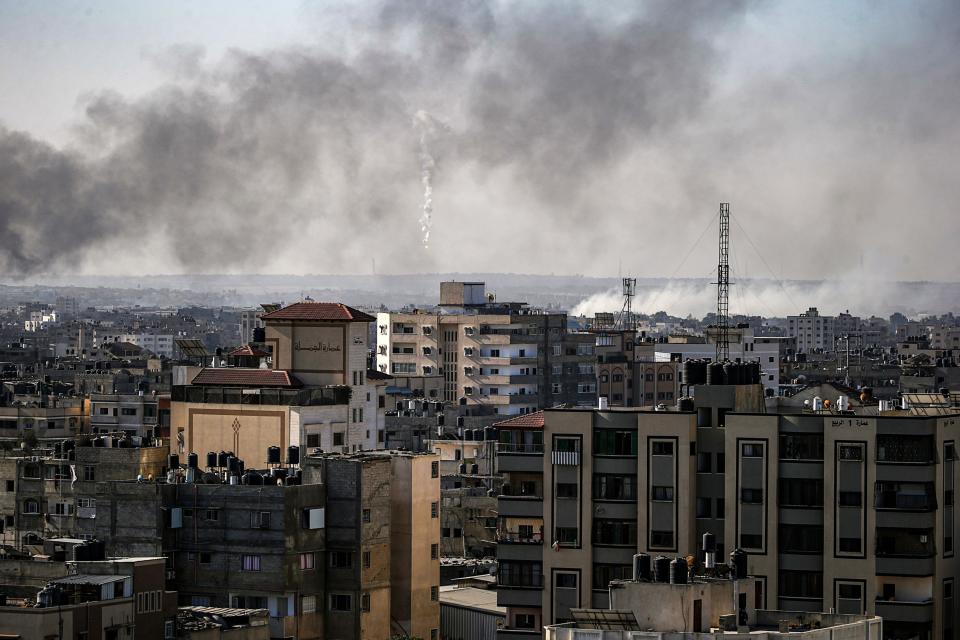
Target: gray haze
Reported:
[(580, 135)]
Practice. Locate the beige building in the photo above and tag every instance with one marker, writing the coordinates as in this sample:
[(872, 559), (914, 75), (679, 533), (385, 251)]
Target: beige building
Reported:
[(502, 358), (315, 396)]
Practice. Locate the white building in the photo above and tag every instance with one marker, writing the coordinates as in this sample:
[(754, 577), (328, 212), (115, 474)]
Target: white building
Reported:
[(812, 331), (744, 346)]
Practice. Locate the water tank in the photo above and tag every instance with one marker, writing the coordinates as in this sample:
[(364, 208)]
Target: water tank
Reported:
[(460, 421), (678, 571), (709, 542), (489, 433), (738, 563), (715, 373), (756, 373), (685, 404), (641, 567), (699, 371), (278, 473), (173, 461), (293, 454), (731, 373), (440, 419), (817, 403), (400, 406), (475, 469), (273, 455), (843, 403), (193, 461), (211, 459), (661, 569), (233, 465), (222, 459), (462, 469), (251, 478)]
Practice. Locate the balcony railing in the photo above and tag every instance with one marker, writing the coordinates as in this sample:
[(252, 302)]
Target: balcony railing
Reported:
[(569, 458), (530, 448), (514, 537), (522, 580)]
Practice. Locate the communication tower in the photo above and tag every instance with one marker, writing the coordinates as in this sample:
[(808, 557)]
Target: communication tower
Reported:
[(723, 286)]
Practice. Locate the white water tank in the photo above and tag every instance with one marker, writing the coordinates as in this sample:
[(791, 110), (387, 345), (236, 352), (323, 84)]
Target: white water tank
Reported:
[(603, 404), (817, 403), (843, 403)]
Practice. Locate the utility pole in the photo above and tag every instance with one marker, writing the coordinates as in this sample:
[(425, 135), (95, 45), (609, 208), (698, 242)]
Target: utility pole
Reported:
[(723, 286)]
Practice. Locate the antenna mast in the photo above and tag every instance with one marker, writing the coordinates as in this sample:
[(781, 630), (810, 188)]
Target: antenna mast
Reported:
[(627, 322), (723, 286)]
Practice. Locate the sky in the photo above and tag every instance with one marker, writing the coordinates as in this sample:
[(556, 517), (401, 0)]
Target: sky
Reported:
[(550, 137)]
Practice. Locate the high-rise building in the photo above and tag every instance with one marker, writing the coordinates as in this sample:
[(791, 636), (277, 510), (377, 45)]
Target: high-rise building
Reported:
[(838, 509), (502, 358), (812, 331)]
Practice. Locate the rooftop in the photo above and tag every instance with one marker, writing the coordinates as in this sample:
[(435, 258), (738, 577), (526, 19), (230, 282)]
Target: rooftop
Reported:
[(471, 598), (319, 312), (248, 350), (242, 377), (527, 421)]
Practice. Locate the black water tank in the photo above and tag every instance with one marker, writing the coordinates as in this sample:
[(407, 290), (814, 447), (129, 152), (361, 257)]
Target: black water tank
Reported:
[(233, 465), (440, 419), (678, 571), (173, 461), (738, 563), (709, 542), (459, 421), (729, 374), (475, 469), (490, 433), (685, 404), (661, 569), (193, 461), (273, 455), (715, 373), (293, 454), (222, 459), (641, 567), (251, 478), (400, 406), (211, 459), (259, 334)]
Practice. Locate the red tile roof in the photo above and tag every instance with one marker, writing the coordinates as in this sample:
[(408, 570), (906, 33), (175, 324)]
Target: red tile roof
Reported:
[(322, 311), (528, 421), (247, 350), (239, 377)]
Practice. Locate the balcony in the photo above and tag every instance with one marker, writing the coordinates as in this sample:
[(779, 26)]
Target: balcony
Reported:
[(905, 611), (905, 566), (520, 506), (520, 581), (514, 537)]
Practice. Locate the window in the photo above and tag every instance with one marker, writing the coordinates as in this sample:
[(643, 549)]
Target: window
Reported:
[(434, 509), (212, 515), (128, 412), (801, 584), (720, 508), (751, 496), (603, 574), (661, 493), (260, 520), (798, 538), (341, 559), (903, 448), (850, 545), (615, 443), (526, 620), (662, 539), (434, 593), (338, 439), (103, 411), (801, 492), (614, 487), (751, 450), (661, 448), (566, 535), (204, 557), (365, 516), (751, 541), (703, 462), (31, 506), (567, 490), (556, 387), (249, 563), (703, 507), (566, 581), (434, 551), (434, 469), (307, 561), (801, 446), (615, 532), (365, 558), (850, 498), (340, 602), (850, 452), (10, 485)]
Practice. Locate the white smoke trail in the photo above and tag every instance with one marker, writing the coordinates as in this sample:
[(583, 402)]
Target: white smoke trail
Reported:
[(427, 126)]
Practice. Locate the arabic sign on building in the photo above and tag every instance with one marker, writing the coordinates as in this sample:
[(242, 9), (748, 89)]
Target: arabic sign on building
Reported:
[(318, 348)]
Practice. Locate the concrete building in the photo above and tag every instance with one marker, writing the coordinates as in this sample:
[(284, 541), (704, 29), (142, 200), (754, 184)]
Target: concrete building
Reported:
[(629, 374), (43, 418), (250, 320), (469, 612), (793, 490), (315, 396), (744, 347), (501, 358), (135, 414), (96, 599), (813, 331)]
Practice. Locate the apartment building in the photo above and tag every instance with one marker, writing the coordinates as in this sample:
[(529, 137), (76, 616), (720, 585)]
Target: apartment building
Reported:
[(43, 417), (499, 358), (836, 509), (250, 321), (744, 345), (316, 395), (135, 414), (628, 373), (813, 331), (345, 546)]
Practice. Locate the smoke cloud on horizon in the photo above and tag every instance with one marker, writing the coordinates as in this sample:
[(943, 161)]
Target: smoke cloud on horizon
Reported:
[(579, 135)]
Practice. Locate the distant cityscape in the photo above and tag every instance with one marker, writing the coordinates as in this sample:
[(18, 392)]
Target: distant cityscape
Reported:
[(475, 467)]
